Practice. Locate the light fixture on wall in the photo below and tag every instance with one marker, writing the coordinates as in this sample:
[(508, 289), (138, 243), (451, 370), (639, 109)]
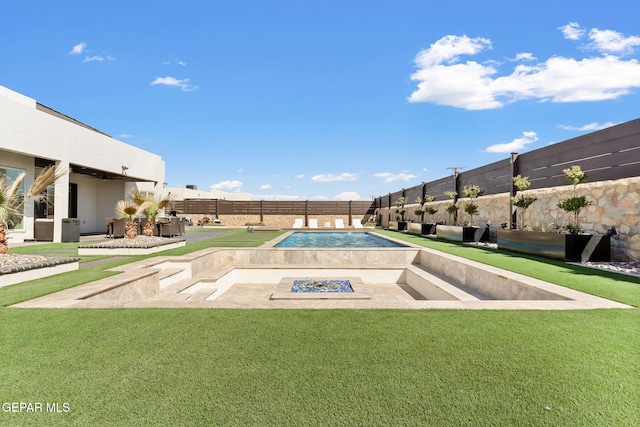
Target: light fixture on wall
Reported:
[(124, 170)]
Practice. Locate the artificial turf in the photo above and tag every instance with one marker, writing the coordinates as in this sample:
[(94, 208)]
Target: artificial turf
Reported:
[(323, 367)]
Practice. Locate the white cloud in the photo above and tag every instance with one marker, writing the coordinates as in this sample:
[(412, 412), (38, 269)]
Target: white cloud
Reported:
[(572, 31), (125, 135), (443, 79), (346, 196), (612, 41), (277, 197), (514, 146), (589, 127), (226, 185), (391, 177), (525, 56), (184, 84), (346, 176), (300, 176), (265, 187), (78, 49), (95, 58)]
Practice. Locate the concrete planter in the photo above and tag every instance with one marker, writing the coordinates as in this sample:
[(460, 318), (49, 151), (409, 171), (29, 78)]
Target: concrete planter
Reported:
[(564, 247), (419, 228), (414, 227), (459, 233)]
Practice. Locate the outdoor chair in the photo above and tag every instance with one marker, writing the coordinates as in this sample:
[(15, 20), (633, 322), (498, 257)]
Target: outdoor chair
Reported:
[(170, 227), (109, 225), (298, 223), (339, 223), (313, 223), (118, 227)]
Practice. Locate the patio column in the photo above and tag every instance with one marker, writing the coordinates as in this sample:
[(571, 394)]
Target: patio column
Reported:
[(61, 201)]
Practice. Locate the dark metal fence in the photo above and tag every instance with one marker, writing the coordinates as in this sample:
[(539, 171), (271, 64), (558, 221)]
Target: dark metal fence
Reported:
[(612, 153), (217, 207)]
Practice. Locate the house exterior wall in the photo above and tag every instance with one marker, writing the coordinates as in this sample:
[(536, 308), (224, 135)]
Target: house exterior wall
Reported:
[(27, 132)]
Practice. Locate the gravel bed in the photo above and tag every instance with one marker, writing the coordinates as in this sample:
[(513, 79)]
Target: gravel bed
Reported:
[(15, 263), (143, 242)]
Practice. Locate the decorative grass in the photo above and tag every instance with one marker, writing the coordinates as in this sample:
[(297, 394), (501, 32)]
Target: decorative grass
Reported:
[(323, 367), (306, 367)]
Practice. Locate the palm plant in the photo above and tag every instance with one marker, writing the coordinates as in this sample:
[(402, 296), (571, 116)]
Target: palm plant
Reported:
[(129, 210), (12, 200), (154, 204)]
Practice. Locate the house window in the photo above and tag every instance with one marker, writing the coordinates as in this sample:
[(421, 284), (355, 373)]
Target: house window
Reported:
[(16, 221)]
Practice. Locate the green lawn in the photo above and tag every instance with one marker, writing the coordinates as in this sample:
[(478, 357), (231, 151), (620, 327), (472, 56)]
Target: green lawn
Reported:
[(324, 367)]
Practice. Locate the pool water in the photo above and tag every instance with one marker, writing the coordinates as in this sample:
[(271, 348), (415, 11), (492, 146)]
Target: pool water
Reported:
[(336, 240)]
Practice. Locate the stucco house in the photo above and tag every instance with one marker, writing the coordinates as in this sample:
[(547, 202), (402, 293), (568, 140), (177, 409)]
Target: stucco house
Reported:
[(102, 169)]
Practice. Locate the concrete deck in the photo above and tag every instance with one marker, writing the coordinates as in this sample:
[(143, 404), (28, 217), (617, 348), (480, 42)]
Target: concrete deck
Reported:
[(406, 278)]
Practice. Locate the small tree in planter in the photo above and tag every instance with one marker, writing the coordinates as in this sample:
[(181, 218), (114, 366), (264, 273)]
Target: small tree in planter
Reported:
[(420, 211), (472, 192), (426, 228), (574, 204), (563, 246), (452, 209), (523, 202), (400, 208)]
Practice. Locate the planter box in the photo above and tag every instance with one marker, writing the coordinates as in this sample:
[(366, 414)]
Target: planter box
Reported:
[(564, 247), (398, 225), (414, 227), (458, 233), (428, 229)]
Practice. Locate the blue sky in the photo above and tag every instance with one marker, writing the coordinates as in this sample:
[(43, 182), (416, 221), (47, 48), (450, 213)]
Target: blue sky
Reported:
[(330, 100)]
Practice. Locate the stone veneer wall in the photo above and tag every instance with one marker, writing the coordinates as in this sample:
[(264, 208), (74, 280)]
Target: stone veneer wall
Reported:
[(613, 204)]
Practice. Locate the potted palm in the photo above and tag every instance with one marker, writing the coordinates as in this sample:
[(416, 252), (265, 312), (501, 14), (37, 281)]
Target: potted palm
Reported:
[(567, 243), (12, 200)]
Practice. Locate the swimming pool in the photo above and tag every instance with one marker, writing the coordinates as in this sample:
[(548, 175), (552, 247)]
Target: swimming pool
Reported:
[(336, 239)]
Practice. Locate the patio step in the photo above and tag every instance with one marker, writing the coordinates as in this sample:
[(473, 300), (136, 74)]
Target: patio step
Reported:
[(202, 294), (180, 285), (168, 276)]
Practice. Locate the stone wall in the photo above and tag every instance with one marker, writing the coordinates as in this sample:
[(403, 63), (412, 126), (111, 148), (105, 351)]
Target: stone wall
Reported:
[(613, 204)]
